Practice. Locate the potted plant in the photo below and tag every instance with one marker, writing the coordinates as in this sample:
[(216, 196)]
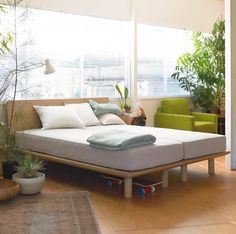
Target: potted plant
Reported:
[(10, 81), (123, 98), (7, 133), (29, 175), (215, 104), (202, 72)]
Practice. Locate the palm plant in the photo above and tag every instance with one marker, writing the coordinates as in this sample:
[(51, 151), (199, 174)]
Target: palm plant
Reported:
[(7, 135), (29, 166), (7, 141), (8, 80), (7, 147)]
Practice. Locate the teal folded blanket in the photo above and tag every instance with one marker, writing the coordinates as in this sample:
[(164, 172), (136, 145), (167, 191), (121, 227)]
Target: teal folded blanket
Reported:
[(119, 140)]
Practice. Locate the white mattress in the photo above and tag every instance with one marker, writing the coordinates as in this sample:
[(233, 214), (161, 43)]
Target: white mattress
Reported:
[(171, 146), (195, 144), (72, 144)]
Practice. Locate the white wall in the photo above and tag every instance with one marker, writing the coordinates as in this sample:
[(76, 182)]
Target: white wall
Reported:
[(230, 36), (112, 9), (150, 106), (189, 14), (194, 15)]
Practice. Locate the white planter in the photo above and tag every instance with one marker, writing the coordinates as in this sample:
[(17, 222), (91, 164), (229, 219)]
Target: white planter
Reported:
[(30, 185)]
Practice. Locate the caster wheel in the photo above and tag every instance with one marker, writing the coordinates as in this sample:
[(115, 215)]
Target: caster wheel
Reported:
[(141, 192), (153, 189), (109, 183), (115, 182)]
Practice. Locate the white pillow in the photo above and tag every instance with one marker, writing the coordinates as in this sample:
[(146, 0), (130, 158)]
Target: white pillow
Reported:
[(86, 114), (58, 117), (110, 119)]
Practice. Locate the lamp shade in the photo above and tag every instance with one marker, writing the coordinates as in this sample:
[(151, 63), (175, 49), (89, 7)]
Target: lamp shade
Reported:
[(49, 69)]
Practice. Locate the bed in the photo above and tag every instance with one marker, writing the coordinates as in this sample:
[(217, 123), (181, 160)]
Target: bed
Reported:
[(173, 148)]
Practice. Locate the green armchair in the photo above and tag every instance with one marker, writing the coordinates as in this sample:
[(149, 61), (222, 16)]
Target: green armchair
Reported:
[(175, 113)]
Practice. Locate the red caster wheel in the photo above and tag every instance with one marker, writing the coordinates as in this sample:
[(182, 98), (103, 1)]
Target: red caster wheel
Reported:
[(116, 182), (143, 191)]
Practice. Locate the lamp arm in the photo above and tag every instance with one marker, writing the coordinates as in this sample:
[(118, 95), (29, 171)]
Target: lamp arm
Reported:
[(48, 67), (25, 68)]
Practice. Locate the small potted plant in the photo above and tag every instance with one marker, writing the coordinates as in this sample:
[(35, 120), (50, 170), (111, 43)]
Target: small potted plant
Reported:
[(123, 98), (28, 175)]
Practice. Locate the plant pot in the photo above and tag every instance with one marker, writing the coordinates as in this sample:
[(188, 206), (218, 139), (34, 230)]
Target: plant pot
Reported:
[(30, 185), (214, 111), (8, 169), (222, 111), (127, 109)]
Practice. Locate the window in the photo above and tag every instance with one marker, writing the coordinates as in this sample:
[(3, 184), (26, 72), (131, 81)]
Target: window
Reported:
[(90, 55), (158, 51)]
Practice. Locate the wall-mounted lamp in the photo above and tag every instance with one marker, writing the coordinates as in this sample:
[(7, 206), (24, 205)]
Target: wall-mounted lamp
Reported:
[(11, 75), (49, 69)]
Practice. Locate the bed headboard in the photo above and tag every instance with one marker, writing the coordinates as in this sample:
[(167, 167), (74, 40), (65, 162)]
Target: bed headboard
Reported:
[(28, 118)]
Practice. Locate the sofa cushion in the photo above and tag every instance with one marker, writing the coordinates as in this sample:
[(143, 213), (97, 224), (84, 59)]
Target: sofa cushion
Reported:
[(176, 106), (201, 126)]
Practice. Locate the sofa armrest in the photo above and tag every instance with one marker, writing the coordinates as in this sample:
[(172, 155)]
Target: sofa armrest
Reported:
[(182, 122), (198, 116)]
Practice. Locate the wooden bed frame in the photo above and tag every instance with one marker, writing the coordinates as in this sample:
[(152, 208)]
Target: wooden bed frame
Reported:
[(30, 120)]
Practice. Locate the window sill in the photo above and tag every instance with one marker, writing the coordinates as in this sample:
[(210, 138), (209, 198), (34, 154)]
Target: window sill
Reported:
[(154, 97), (162, 97)]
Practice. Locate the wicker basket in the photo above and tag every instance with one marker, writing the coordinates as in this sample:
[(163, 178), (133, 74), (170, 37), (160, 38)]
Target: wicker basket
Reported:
[(8, 189)]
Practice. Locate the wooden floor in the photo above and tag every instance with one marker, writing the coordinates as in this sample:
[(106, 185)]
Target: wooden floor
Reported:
[(205, 204)]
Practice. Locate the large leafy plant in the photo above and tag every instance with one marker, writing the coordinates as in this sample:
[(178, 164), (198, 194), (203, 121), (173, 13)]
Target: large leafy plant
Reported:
[(202, 72)]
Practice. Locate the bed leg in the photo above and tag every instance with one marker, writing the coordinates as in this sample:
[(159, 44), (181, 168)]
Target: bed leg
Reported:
[(128, 187), (211, 166), (184, 173), (165, 178)]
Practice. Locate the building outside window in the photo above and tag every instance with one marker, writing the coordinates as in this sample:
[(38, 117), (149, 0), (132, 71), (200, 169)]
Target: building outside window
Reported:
[(158, 52), (90, 55)]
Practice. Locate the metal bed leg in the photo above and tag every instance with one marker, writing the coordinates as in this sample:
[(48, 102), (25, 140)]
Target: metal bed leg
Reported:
[(128, 187), (211, 166), (184, 173), (165, 178)]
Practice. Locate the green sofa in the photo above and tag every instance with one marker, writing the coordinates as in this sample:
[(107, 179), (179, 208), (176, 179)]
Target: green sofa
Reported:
[(175, 113)]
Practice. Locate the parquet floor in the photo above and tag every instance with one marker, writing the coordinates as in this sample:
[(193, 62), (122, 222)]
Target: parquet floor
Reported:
[(204, 204)]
